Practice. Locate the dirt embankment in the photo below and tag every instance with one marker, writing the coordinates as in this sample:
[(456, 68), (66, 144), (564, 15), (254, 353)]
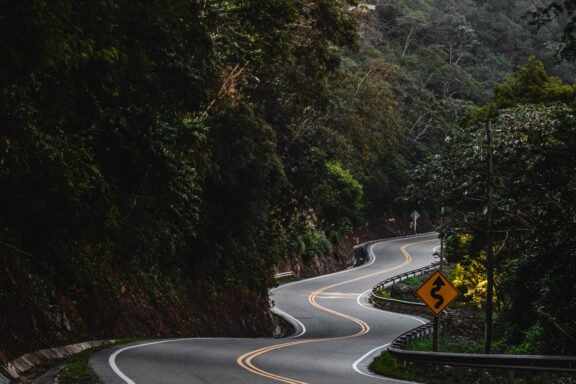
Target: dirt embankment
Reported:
[(36, 313), (342, 256)]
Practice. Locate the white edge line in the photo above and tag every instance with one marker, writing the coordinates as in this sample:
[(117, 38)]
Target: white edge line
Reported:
[(372, 259), (359, 301), (127, 380), (291, 318), (374, 376), (117, 371), (366, 355)]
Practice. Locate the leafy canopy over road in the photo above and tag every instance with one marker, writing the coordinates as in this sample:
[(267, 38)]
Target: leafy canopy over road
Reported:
[(158, 159)]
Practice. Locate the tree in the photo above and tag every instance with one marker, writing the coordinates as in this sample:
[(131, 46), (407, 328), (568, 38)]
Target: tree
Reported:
[(147, 141), (533, 191), (530, 84), (565, 11)]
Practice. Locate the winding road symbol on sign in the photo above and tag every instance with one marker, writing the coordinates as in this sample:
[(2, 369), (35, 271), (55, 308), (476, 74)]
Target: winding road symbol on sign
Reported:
[(437, 292), (438, 284)]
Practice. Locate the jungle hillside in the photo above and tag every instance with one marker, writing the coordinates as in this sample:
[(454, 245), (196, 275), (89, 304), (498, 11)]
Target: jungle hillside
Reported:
[(158, 160)]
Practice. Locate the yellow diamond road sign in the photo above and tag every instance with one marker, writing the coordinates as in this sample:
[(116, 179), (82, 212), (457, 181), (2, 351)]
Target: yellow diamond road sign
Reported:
[(437, 292)]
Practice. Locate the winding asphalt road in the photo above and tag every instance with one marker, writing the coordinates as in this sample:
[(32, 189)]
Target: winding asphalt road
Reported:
[(338, 333)]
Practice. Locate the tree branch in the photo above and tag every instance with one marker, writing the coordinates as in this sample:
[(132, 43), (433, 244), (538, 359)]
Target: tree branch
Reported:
[(407, 41), (15, 249), (362, 81)]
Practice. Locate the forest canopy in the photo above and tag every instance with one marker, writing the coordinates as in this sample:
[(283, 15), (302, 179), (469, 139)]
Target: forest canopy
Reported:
[(187, 146)]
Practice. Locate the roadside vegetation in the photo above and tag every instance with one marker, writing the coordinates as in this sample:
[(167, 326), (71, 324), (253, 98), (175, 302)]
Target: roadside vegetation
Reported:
[(462, 326), (158, 160), (388, 366), (77, 370)]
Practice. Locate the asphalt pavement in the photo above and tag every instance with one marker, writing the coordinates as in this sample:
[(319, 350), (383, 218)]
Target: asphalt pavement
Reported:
[(338, 333)]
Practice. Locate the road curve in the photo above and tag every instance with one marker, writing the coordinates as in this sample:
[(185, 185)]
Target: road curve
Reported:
[(338, 333)]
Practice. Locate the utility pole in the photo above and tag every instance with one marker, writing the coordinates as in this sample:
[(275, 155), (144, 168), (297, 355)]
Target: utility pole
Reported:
[(436, 324), (442, 234), (489, 248)]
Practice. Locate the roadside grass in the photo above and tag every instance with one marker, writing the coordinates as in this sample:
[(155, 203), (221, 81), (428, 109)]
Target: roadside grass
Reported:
[(78, 371), (388, 366), (405, 290), (416, 281), (448, 343)]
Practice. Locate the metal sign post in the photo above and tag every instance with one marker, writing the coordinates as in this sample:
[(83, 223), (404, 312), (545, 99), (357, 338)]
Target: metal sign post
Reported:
[(437, 292)]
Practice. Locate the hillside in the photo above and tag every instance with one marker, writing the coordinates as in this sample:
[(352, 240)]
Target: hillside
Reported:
[(158, 161)]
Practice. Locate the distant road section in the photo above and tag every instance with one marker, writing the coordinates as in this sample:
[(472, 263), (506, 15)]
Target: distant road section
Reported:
[(338, 333)]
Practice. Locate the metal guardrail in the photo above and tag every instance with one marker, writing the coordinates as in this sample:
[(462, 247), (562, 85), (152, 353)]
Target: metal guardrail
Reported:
[(396, 301), (540, 363), (510, 362), (282, 275), (398, 278), (412, 335)]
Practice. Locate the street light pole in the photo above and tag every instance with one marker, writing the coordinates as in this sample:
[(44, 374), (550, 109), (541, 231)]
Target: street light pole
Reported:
[(489, 248)]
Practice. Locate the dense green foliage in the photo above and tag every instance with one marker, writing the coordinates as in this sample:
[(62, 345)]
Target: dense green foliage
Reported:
[(563, 12), (448, 55), (191, 144), (167, 144), (532, 119), (451, 56), (149, 131)]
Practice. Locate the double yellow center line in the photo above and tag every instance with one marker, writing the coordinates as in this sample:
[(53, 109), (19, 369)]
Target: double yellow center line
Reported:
[(246, 361)]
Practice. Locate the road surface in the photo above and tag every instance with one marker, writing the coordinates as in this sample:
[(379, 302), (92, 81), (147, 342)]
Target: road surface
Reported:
[(338, 333)]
